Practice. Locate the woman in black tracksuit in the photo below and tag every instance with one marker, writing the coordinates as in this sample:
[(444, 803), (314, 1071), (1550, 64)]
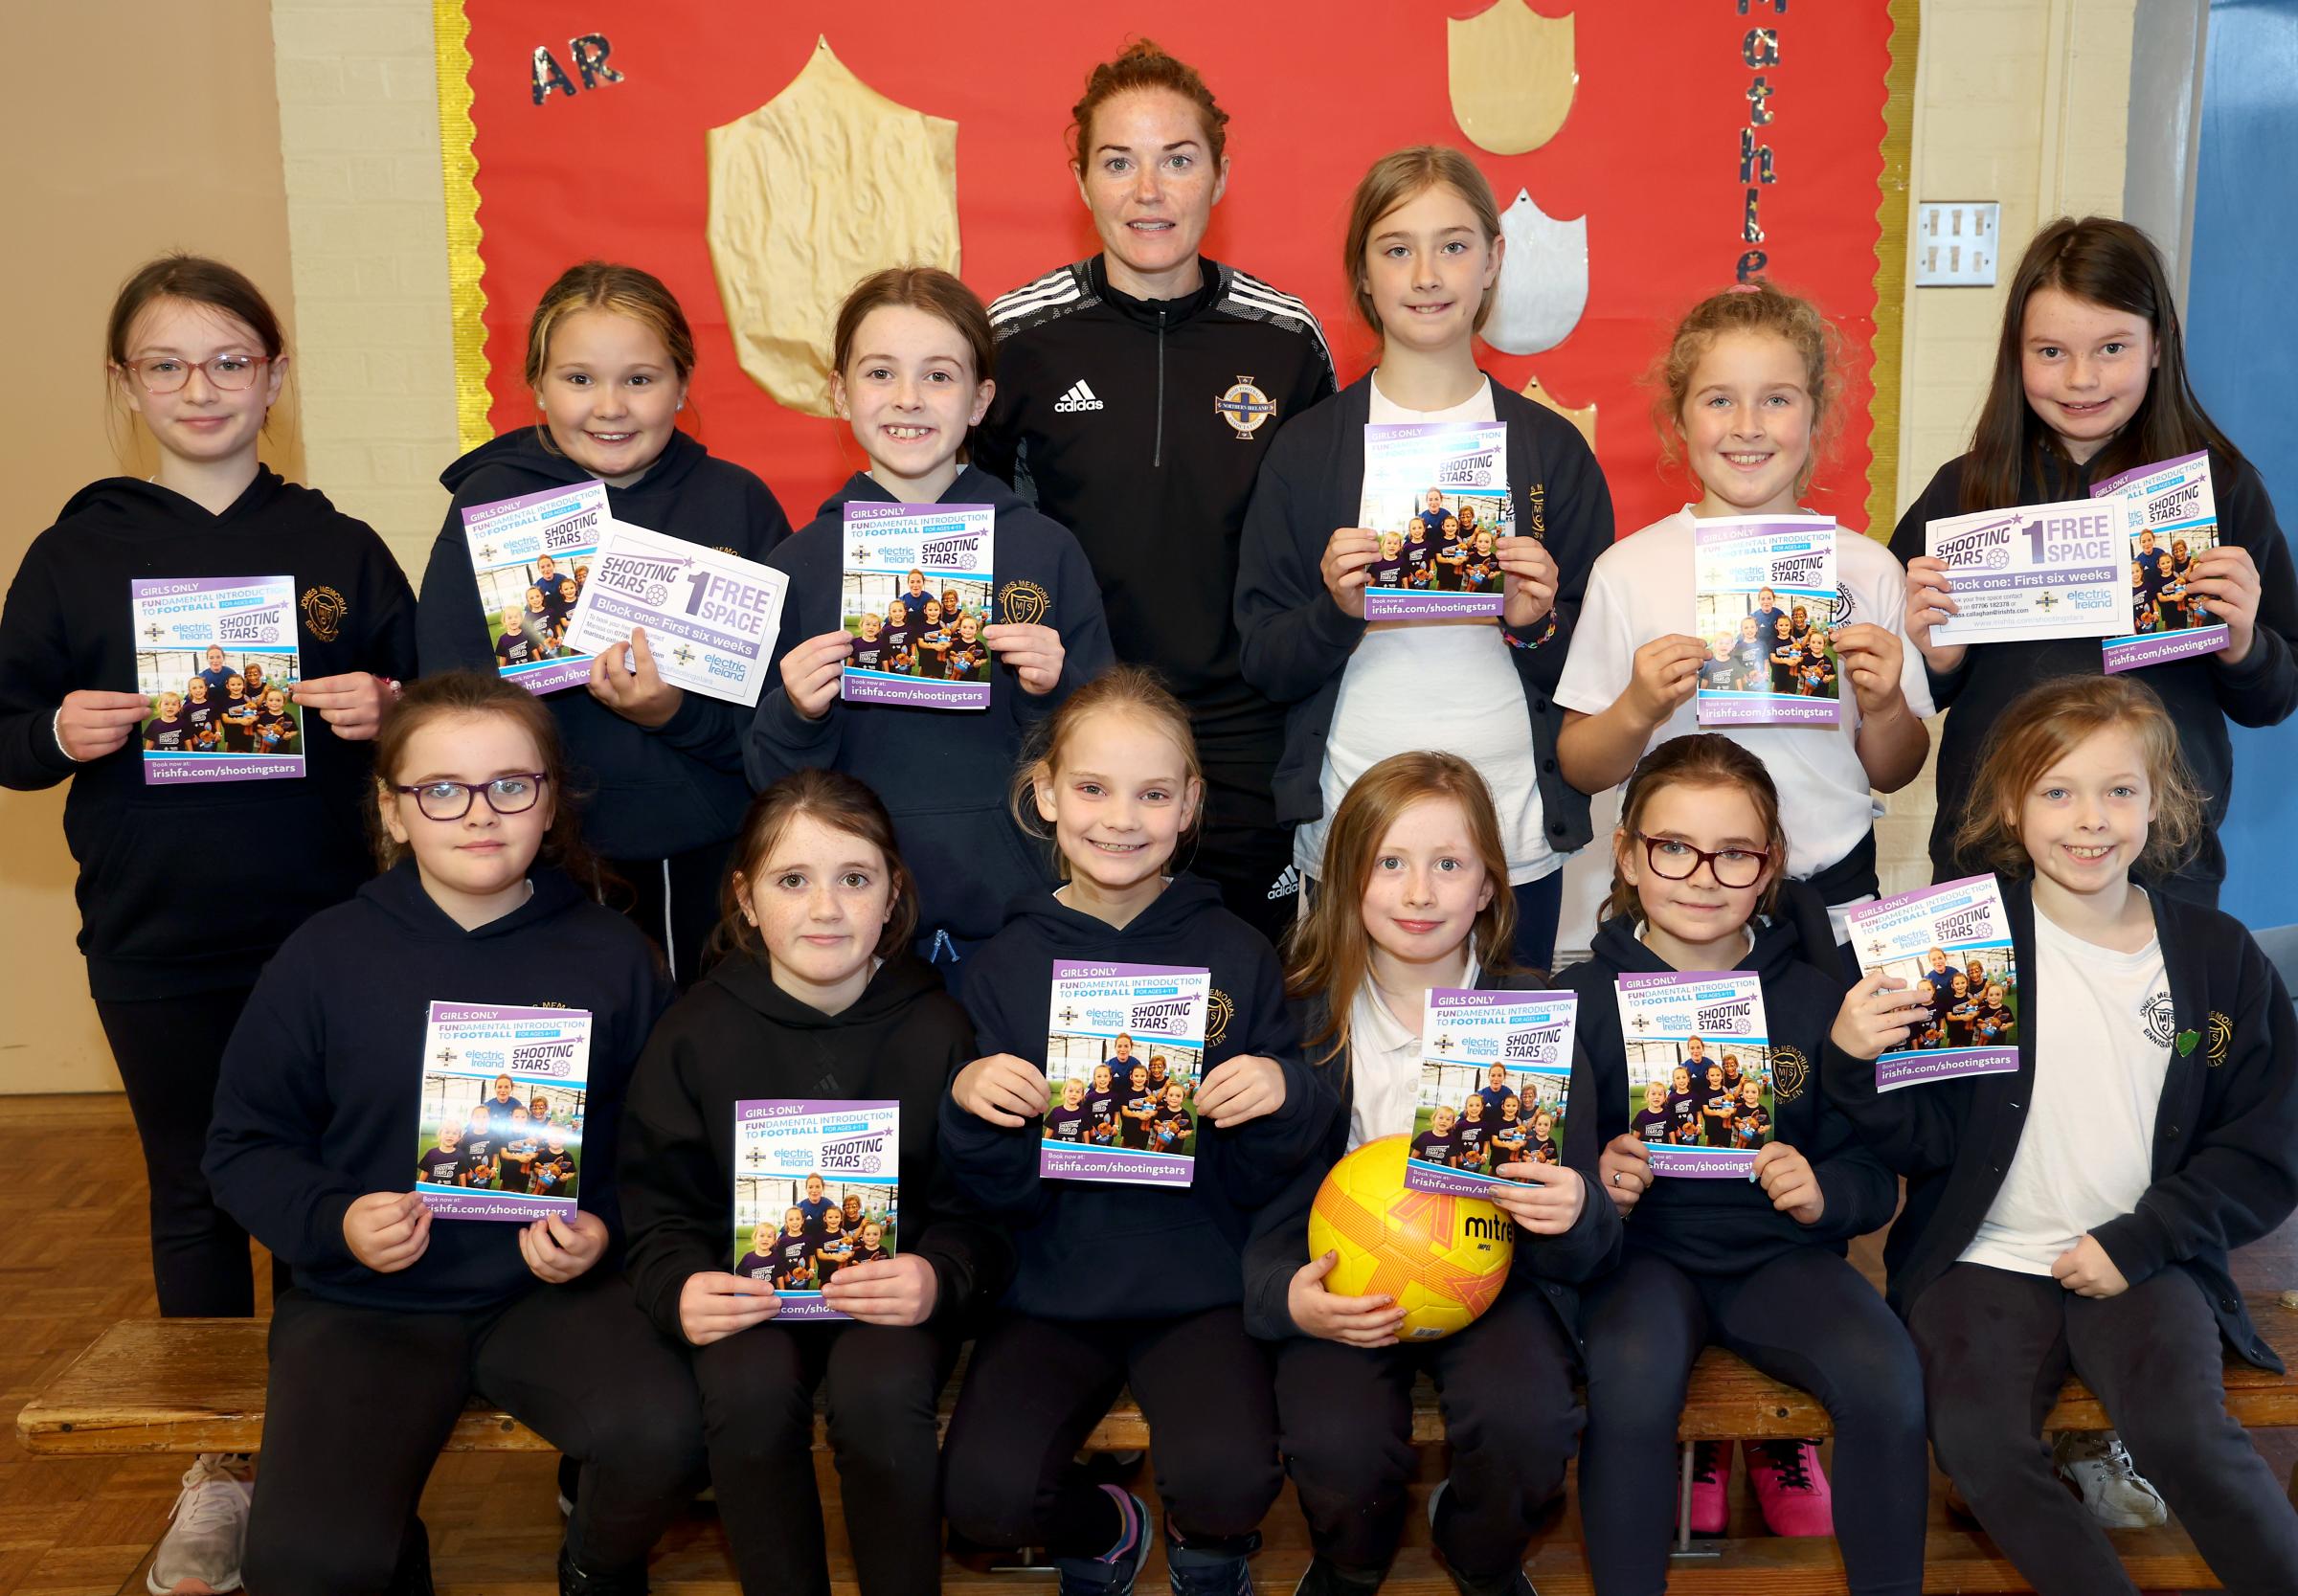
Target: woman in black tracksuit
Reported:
[(1136, 395)]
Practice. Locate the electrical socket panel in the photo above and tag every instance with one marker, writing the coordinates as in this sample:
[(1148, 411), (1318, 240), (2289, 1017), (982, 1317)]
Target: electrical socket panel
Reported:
[(1957, 243)]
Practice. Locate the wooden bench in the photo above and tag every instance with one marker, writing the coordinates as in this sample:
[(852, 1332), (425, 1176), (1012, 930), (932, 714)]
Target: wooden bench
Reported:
[(196, 1385)]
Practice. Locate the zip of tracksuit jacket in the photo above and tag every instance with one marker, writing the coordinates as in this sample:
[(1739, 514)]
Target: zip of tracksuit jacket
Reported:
[(1092, 1250), (1139, 424)]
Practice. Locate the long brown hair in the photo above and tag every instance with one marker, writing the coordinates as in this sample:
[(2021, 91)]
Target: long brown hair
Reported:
[(1397, 179), (1142, 65), (1752, 306), (2106, 263), (1703, 759), (842, 803), (1326, 953), (2037, 729), (474, 692), (1121, 689)]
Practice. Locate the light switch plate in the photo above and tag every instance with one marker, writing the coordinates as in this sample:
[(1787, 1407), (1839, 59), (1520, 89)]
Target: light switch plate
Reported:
[(1956, 243)]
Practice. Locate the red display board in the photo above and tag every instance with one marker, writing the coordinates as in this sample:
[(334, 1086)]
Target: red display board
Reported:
[(1704, 139)]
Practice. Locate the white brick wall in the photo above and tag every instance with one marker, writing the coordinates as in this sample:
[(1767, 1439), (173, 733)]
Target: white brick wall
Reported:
[(366, 223)]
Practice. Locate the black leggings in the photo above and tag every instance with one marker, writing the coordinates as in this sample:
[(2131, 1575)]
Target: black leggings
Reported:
[(170, 1051), (676, 901), (361, 1400), (884, 1386), (1510, 1414), (1996, 1345), (1036, 1388), (1241, 849), (1806, 1318)]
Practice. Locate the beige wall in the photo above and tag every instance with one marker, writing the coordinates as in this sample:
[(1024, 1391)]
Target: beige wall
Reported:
[(2017, 100), (132, 129)]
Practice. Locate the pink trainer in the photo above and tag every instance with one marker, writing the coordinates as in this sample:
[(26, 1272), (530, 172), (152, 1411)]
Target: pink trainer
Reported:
[(1711, 1463), (1791, 1488)]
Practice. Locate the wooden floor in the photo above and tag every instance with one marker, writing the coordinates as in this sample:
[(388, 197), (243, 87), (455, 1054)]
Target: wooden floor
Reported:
[(72, 1260)]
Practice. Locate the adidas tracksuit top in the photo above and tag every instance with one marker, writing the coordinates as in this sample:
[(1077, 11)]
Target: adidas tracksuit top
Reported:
[(1141, 425)]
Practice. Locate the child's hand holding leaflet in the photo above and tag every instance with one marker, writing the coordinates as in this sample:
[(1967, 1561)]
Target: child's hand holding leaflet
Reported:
[(562, 1249), (1033, 652), (625, 678), (1240, 1089), (712, 1306), (1347, 567), (1547, 1203), (1003, 1089), (1532, 579), (386, 1231), (1790, 1184), (897, 1291)]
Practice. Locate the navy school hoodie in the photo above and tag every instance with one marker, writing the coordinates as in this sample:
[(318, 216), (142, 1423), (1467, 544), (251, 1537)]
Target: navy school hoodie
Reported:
[(656, 792), (189, 888), (321, 1080), (2226, 1167), (1296, 641), (943, 773), (1728, 1227), (1091, 1250), (2202, 694), (1279, 1245), (738, 1036)]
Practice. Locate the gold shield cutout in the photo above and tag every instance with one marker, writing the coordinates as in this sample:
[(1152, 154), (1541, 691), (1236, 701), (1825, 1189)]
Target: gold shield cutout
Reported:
[(1513, 76), (1585, 419), (823, 183)]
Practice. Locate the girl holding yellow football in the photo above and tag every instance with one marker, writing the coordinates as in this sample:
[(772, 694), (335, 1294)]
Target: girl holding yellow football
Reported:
[(1414, 896)]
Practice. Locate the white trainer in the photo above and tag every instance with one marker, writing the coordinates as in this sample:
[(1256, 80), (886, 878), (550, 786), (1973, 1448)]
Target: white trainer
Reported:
[(2118, 1496), (201, 1552)]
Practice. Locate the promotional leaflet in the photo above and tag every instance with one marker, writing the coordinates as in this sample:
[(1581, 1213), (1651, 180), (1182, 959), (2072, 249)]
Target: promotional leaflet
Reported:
[(914, 595), (1123, 1055), (531, 555), (217, 663), (1951, 945), (1436, 498), (711, 618), (2033, 572), (815, 1187), (1495, 1068), (2170, 519), (1765, 607), (499, 1130), (1699, 1077)]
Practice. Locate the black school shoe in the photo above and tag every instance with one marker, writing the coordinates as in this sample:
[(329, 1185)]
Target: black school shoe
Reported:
[(622, 1582), (1323, 1578), (413, 1576)]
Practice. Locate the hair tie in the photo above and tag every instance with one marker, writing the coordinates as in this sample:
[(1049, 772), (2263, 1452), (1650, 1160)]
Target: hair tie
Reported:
[(1744, 288)]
